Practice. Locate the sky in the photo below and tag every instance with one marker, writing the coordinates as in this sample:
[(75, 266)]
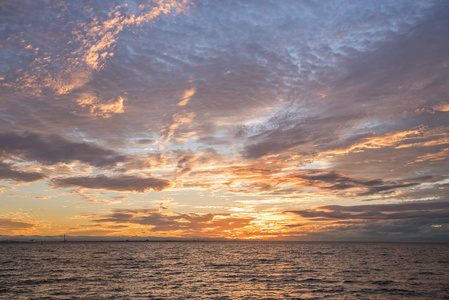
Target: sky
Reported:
[(271, 119)]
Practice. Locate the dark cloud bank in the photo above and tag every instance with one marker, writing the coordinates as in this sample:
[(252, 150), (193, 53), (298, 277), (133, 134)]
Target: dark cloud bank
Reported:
[(53, 149), (123, 183), (407, 221)]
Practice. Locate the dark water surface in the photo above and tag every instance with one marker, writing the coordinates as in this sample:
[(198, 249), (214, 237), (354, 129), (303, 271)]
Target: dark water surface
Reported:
[(223, 270)]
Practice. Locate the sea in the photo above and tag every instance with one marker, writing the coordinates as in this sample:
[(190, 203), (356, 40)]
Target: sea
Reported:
[(223, 270)]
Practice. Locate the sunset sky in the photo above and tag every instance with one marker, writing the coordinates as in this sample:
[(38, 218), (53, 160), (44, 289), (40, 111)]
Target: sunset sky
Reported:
[(270, 119)]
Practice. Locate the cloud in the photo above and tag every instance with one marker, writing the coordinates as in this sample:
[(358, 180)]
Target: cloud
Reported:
[(104, 110), (144, 142), (305, 135), (404, 206), (70, 61), (186, 161), (9, 225), (405, 221), (187, 95), (188, 224), (441, 155), (7, 172), (335, 181), (272, 181), (355, 107), (123, 183), (102, 35), (179, 127), (53, 149), (428, 212)]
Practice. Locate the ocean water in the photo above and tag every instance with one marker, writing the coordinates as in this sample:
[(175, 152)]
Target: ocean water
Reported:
[(223, 270)]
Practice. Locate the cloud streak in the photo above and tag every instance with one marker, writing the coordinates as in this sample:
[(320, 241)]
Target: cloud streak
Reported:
[(432, 212), (124, 183)]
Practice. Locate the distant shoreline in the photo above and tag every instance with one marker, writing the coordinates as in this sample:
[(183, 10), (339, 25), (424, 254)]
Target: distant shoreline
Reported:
[(43, 241)]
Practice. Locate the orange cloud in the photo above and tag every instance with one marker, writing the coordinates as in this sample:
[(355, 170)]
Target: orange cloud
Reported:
[(178, 119), (102, 35), (438, 156), (96, 40), (104, 110), (187, 95), (177, 224)]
